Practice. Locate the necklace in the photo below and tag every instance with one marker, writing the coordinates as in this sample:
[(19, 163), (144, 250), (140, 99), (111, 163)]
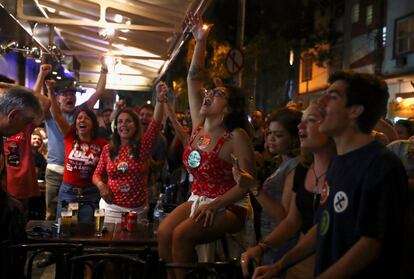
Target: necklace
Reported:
[(204, 141), (316, 192)]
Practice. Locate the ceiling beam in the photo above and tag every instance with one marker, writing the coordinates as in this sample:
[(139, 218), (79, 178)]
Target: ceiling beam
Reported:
[(148, 46), (102, 23), (143, 9), (114, 53), (77, 12), (87, 65)]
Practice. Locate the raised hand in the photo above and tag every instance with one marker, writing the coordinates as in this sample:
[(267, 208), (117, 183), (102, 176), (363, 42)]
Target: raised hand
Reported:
[(162, 90), (121, 104), (242, 177), (195, 24), (104, 66), (51, 85), (45, 69)]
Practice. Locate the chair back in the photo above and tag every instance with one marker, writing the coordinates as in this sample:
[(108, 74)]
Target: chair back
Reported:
[(118, 266), (209, 270), (61, 251)]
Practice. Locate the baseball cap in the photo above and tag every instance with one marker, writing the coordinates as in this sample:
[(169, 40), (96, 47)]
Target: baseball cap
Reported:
[(67, 90)]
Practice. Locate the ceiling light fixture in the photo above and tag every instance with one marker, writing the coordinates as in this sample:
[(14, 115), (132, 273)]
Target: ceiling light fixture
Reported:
[(118, 18), (107, 33)]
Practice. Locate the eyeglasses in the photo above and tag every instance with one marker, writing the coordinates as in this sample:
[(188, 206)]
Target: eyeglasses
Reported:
[(215, 92)]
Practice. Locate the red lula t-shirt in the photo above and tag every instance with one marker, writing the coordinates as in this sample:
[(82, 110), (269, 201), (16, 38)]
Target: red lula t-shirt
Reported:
[(81, 158), (21, 172)]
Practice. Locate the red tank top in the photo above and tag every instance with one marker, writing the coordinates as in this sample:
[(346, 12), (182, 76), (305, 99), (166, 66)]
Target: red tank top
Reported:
[(213, 176)]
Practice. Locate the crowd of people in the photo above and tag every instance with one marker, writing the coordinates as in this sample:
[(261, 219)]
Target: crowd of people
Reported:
[(329, 199)]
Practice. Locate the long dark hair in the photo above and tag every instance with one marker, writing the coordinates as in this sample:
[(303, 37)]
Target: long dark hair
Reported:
[(237, 109), (116, 139), (92, 116)]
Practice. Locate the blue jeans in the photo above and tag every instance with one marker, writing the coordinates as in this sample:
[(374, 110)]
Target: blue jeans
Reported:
[(90, 194), (53, 182)]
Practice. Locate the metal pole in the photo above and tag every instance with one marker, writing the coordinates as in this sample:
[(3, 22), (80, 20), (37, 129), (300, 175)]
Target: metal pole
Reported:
[(240, 35)]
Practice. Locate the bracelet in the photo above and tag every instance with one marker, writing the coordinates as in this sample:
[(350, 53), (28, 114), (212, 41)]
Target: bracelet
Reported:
[(104, 70), (162, 100), (264, 246)]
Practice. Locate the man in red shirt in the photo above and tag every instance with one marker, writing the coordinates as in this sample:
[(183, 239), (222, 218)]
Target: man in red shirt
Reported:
[(20, 166), (18, 109)]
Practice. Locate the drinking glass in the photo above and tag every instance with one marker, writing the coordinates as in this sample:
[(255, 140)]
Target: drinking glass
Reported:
[(65, 221), (66, 215), (74, 206), (99, 221)]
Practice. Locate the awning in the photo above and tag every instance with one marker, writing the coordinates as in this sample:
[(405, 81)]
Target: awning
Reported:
[(147, 35)]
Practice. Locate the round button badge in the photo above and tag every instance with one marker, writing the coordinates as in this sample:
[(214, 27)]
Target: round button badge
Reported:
[(194, 159)]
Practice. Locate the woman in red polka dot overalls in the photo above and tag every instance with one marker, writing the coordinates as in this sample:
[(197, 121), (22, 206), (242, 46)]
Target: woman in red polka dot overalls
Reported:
[(216, 206), (122, 172)]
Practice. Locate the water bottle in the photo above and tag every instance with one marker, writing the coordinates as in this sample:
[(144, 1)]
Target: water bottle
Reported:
[(158, 213)]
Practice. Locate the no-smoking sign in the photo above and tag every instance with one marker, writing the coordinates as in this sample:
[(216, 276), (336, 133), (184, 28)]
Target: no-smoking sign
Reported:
[(234, 61)]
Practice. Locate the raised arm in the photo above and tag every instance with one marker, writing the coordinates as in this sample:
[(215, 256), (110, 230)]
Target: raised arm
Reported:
[(100, 86), (37, 88), (178, 128), (55, 110), (196, 71), (161, 90), (121, 104)]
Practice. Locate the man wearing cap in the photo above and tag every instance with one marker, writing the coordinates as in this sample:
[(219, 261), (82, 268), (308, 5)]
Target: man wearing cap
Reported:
[(55, 160)]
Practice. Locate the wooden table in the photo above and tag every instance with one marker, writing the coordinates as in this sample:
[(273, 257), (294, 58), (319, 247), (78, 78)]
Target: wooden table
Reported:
[(113, 241), (42, 231)]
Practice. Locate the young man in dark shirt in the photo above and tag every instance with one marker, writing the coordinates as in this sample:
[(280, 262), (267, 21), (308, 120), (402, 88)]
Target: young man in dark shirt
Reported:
[(360, 225)]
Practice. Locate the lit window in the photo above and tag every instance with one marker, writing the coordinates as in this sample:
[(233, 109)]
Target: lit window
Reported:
[(405, 35), (355, 13), (369, 15), (307, 68)]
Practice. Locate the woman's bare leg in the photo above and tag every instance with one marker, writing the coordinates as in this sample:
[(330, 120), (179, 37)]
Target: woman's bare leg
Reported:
[(188, 234), (165, 231)]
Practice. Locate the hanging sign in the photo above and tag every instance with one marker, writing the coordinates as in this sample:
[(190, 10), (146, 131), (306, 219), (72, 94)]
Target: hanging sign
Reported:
[(234, 61)]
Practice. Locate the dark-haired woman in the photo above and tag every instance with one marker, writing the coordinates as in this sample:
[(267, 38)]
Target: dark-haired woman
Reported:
[(82, 150), (216, 206), (122, 171), (282, 139)]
